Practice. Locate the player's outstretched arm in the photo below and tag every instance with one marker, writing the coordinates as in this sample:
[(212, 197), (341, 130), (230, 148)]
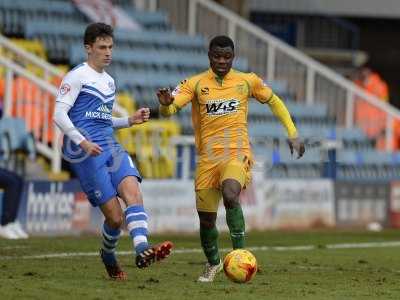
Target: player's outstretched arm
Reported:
[(264, 94), (165, 97), (280, 111), (140, 116), (166, 102)]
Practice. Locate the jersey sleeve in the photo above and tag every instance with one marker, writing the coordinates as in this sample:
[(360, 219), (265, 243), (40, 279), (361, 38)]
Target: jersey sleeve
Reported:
[(259, 89), (69, 89), (62, 120), (280, 111), (183, 93)]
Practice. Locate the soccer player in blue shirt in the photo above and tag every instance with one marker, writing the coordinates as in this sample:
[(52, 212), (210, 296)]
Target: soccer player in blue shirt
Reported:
[(105, 170)]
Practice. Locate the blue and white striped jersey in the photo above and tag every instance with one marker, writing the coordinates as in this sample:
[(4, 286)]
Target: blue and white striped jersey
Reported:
[(91, 96)]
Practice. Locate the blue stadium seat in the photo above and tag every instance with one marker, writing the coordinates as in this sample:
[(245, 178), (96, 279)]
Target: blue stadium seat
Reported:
[(302, 110), (150, 20), (14, 15), (5, 145), (59, 38), (20, 139), (278, 86)]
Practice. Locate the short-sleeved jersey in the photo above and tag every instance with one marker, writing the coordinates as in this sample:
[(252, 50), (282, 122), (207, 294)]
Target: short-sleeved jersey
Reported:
[(91, 96), (219, 107)]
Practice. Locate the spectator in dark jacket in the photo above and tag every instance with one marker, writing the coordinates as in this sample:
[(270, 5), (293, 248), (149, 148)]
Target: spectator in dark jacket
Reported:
[(12, 185)]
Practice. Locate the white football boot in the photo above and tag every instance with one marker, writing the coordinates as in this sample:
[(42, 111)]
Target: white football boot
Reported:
[(7, 232), (16, 226), (210, 272)]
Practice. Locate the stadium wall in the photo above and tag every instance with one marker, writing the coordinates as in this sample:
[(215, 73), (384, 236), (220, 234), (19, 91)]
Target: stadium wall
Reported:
[(60, 208)]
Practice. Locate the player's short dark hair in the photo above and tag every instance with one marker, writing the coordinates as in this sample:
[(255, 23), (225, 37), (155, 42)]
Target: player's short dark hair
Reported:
[(221, 41), (95, 30)]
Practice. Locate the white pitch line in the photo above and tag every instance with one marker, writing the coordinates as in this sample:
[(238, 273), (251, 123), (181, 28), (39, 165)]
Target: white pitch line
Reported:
[(198, 250), (364, 245), (13, 247)]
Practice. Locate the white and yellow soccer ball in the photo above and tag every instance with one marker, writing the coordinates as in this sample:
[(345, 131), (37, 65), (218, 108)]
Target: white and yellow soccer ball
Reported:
[(240, 265)]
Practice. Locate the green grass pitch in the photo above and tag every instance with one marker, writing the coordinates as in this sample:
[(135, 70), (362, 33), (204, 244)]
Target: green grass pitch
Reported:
[(317, 272)]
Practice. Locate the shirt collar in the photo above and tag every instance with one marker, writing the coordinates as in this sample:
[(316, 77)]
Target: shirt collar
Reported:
[(212, 75)]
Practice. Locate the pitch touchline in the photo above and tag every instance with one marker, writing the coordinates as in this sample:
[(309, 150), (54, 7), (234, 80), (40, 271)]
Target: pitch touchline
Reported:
[(13, 247), (197, 250)]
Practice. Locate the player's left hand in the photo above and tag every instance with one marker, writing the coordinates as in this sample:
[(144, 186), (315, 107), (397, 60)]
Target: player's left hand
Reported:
[(297, 145), (140, 116)]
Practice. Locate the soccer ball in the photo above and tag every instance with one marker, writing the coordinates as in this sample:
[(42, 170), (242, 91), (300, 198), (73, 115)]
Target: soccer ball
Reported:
[(240, 265)]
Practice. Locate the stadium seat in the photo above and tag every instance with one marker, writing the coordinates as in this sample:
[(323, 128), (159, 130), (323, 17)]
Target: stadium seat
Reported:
[(16, 144), (20, 139), (16, 14), (59, 38), (150, 20), (149, 144), (35, 47), (5, 147)]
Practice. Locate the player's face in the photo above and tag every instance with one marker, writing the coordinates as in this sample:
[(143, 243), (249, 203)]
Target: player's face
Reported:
[(221, 59), (100, 52)]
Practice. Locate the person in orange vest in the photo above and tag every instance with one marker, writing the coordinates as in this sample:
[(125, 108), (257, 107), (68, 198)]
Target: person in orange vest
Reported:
[(370, 118), (373, 83)]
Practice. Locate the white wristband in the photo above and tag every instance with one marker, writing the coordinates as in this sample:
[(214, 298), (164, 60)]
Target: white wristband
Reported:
[(120, 122)]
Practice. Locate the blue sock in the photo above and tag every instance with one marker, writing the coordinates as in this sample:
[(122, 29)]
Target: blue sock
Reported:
[(136, 221), (110, 241)]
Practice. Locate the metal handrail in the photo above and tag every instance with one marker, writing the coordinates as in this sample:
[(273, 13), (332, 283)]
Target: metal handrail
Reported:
[(33, 59), (52, 151)]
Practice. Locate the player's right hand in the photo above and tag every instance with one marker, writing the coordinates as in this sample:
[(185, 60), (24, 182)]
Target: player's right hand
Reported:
[(91, 148), (164, 96)]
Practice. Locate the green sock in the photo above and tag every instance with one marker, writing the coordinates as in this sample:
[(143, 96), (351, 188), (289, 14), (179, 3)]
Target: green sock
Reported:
[(235, 221), (208, 239)]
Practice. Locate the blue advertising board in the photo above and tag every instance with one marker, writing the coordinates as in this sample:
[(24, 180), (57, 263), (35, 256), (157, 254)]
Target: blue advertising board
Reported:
[(51, 207)]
